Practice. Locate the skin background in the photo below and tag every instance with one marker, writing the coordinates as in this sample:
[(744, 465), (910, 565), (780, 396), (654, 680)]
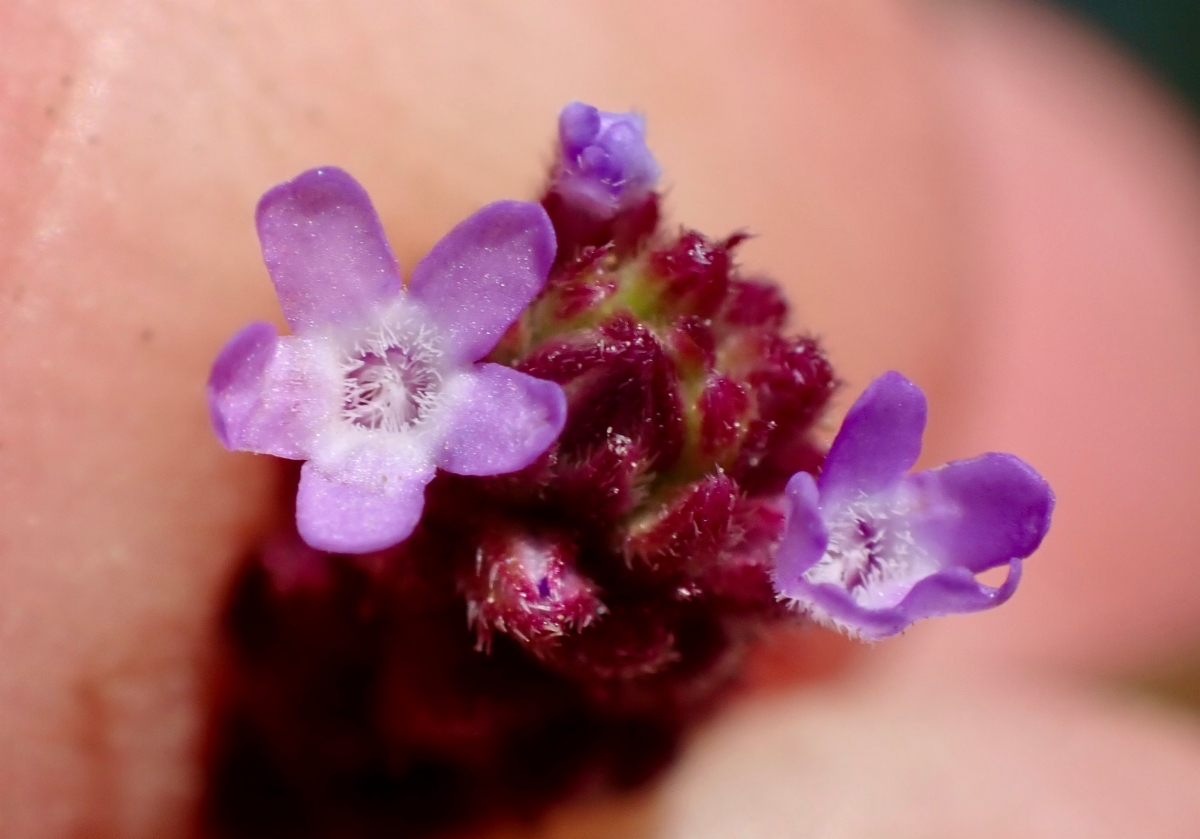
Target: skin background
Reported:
[(978, 195)]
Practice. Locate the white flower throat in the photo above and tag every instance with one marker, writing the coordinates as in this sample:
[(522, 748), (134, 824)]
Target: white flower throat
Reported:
[(391, 379), (872, 552)]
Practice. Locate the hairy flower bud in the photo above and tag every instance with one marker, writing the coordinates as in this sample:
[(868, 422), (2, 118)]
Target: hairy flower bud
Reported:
[(528, 586), (724, 409), (752, 303), (630, 643), (619, 380), (695, 273), (602, 485), (687, 534)]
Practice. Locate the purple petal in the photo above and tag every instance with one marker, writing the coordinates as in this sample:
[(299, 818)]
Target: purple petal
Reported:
[(578, 126), (255, 401), (879, 440), (326, 250), (500, 420), (983, 512), (804, 540), (830, 604), (955, 591), (483, 273), (624, 138), (370, 505), (950, 592)]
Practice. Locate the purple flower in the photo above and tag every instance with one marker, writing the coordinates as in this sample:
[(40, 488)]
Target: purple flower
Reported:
[(604, 164), (378, 386), (870, 549)]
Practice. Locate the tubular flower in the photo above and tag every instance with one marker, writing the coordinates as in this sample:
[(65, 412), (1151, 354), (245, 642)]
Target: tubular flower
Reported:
[(870, 549), (378, 385)]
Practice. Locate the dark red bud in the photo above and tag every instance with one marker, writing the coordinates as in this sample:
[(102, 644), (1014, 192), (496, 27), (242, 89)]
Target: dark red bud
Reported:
[(750, 303), (564, 360), (587, 262), (742, 575), (770, 454), (577, 229), (724, 407), (626, 385), (574, 299), (604, 484), (692, 344), (794, 381), (695, 272), (688, 533), (630, 642), (526, 585), (579, 285), (633, 226), (791, 381)]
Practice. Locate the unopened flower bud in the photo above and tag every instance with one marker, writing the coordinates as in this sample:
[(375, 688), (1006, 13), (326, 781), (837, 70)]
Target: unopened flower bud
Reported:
[(695, 273), (604, 163), (688, 533), (526, 585)]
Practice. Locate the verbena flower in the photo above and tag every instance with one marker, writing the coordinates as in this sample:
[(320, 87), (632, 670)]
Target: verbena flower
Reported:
[(558, 627), (604, 164), (378, 385), (870, 549)]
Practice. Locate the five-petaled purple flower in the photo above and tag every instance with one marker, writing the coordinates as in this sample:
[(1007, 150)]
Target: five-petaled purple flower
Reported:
[(604, 164), (378, 385), (870, 549)]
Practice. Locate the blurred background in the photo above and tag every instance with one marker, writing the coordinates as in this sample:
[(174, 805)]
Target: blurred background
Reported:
[(1163, 38), (1001, 199), (1164, 34)]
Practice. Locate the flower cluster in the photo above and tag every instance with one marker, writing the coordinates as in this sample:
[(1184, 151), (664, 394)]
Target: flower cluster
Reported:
[(552, 490)]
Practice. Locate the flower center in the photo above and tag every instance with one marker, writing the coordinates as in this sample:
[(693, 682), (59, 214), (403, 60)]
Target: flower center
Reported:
[(389, 384), (872, 553)]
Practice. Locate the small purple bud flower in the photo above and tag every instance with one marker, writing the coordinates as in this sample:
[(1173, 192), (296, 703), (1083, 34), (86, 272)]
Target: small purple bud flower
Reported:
[(378, 385), (604, 164), (870, 549)]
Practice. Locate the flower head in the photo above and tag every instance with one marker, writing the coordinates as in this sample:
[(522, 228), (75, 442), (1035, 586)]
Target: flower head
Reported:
[(378, 385), (870, 549), (604, 164)]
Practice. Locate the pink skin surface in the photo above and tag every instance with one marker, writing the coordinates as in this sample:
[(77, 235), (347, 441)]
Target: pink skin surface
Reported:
[(979, 196)]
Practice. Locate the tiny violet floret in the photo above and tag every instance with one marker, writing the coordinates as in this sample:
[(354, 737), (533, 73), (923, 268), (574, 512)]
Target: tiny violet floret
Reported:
[(379, 385), (870, 549), (604, 164)]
